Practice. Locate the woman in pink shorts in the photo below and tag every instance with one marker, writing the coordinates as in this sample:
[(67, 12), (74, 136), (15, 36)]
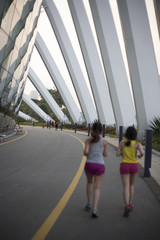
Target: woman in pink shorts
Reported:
[(129, 166), (95, 150)]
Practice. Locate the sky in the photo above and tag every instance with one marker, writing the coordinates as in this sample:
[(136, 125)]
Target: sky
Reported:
[(50, 39)]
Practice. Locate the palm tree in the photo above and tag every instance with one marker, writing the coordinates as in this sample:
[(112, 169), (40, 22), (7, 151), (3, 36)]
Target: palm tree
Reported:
[(155, 126)]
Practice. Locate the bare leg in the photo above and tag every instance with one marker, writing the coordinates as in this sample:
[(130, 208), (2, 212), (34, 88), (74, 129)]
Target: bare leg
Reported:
[(132, 180), (97, 185), (89, 187), (126, 187)]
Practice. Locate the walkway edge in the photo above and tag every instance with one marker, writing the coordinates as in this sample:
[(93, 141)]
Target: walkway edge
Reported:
[(52, 218)]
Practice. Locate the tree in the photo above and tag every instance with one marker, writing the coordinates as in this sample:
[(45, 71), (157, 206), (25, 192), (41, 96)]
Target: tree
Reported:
[(44, 106), (155, 126), (57, 97), (27, 110)]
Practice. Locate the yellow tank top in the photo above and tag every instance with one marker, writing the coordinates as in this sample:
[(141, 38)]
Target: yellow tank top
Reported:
[(129, 153)]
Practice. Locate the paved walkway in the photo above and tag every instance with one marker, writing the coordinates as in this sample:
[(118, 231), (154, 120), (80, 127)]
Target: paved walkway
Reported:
[(37, 170), (155, 168), (154, 180)]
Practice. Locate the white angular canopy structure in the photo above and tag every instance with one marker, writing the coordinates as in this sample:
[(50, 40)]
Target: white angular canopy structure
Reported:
[(113, 63), (36, 108), (26, 116), (92, 60), (105, 33), (47, 96), (57, 78), (72, 63), (141, 60)]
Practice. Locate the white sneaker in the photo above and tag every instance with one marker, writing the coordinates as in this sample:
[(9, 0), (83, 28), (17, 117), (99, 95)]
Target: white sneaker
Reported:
[(88, 207), (94, 213)]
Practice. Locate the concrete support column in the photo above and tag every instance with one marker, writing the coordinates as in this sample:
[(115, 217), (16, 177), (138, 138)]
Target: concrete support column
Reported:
[(46, 95), (57, 78), (141, 60), (92, 61), (25, 116), (72, 64), (36, 108), (157, 10), (113, 63)]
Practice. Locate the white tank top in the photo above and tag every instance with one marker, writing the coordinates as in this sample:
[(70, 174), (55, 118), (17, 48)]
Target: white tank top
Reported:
[(96, 152)]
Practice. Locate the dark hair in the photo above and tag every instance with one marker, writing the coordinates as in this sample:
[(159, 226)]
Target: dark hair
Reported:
[(96, 131), (131, 134)]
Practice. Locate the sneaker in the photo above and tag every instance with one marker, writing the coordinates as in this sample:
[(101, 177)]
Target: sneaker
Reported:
[(130, 206), (126, 211), (88, 207), (94, 213)]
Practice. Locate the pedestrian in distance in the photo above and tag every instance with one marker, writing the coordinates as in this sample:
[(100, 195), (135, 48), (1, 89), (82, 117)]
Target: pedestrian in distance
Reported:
[(56, 123), (95, 150), (129, 166)]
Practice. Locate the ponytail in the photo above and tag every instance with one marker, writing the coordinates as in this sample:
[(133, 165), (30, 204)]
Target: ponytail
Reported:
[(95, 137), (131, 134), (128, 143), (96, 131)]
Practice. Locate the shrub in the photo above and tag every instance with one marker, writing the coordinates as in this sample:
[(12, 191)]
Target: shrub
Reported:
[(110, 130), (155, 126)]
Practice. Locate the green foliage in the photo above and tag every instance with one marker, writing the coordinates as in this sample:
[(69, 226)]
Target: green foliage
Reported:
[(79, 127), (31, 124), (155, 126), (27, 110), (44, 106), (57, 97), (156, 143), (111, 130)]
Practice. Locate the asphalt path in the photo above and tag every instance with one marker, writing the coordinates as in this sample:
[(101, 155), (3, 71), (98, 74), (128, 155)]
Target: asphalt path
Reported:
[(36, 171)]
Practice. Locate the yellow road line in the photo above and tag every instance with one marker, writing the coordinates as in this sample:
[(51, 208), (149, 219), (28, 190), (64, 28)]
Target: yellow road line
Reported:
[(14, 139), (52, 218)]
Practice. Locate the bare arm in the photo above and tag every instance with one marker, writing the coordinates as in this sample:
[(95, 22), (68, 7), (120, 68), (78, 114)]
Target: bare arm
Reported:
[(119, 150), (141, 151), (105, 151), (87, 147)]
